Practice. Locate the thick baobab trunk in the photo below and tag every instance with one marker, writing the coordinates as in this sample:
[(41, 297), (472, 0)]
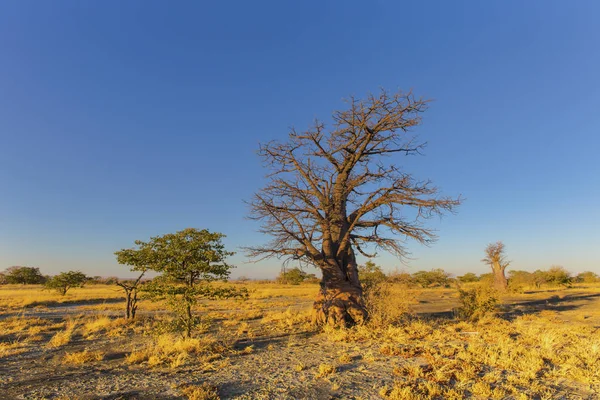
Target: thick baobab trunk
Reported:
[(500, 281), (340, 300)]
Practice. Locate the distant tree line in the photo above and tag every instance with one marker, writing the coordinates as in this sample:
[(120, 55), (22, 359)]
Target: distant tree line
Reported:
[(369, 272), (372, 274)]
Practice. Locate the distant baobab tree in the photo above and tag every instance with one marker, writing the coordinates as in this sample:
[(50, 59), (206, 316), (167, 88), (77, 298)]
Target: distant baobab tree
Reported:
[(335, 191), (495, 257)]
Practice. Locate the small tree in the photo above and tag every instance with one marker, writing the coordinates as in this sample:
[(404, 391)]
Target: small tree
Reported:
[(24, 275), (496, 259), (401, 277), (587, 277), (370, 275), (293, 276), (188, 260), (434, 278), (468, 277), (539, 278), (558, 275), (66, 280), (519, 280)]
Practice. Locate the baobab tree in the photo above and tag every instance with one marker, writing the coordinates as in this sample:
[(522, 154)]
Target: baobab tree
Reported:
[(333, 192), (495, 257)]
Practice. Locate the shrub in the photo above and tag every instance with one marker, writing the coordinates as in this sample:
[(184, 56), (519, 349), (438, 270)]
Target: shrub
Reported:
[(200, 392), (587, 277), (82, 357), (468, 277), (519, 280), (558, 276), (384, 307), (477, 302), (326, 370), (370, 275), (434, 278), (295, 276), (401, 278)]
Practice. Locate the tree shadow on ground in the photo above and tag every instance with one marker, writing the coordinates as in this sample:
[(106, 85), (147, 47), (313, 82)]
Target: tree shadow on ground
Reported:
[(512, 310), (262, 342), (75, 302), (554, 303)]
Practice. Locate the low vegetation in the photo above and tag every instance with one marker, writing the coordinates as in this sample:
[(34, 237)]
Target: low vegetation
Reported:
[(427, 335), (536, 345)]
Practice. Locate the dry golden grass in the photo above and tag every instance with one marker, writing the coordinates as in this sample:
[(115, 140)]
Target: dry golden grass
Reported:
[(285, 320), (200, 392), (175, 351), (82, 357), (325, 370), (533, 356), (104, 326), (63, 337), (11, 349), (492, 358), (18, 296)]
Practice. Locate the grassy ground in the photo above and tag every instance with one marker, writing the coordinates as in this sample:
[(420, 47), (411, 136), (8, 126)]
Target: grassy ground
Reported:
[(542, 344)]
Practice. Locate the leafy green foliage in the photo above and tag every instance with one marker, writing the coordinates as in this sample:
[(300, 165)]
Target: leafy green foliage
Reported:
[(66, 280), (558, 276), (295, 276), (370, 275), (555, 276), (434, 278), (188, 261), (24, 275), (468, 277), (587, 277)]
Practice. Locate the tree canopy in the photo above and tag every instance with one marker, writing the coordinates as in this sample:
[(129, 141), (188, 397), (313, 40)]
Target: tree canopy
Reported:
[(66, 280), (23, 275)]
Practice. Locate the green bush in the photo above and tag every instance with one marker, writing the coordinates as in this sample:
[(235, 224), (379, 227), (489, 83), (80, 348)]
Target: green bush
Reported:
[(468, 277), (434, 278), (370, 275), (587, 277), (295, 276)]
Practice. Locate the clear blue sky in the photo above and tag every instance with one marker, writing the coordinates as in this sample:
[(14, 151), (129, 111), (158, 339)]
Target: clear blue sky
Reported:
[(121, 120)]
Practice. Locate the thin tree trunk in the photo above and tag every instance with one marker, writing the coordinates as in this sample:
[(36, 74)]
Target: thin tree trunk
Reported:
[(134, 303), (189, 321), (128, 294)]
